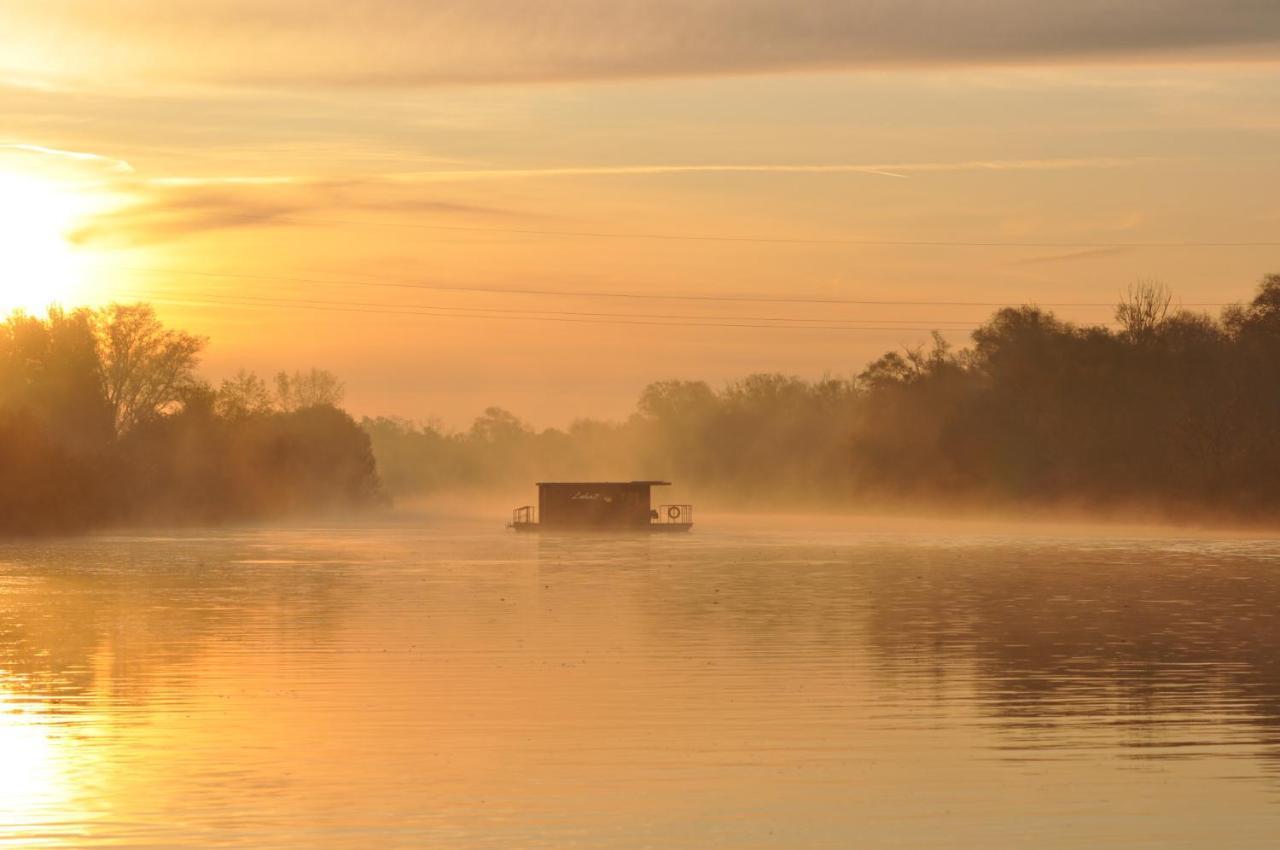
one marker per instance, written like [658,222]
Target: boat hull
[655,528]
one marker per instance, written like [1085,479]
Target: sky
[547,205]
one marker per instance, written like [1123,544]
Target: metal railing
[673,515]
[525,515]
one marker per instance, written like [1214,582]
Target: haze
[369,189]
[619,424]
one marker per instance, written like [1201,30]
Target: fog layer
[1172,415]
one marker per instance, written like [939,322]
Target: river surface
[754,684]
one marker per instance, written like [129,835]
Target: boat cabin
[608,505]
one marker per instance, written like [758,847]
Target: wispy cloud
[1072,256]
[162,217]
[164,211]
[229,180]
[173,206]
[118,165]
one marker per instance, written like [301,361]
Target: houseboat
[600,505]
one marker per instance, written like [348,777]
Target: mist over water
[759,683]
[1170,416]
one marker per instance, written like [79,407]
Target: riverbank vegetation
[104,421]
[1171,412]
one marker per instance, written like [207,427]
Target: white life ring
[673,512]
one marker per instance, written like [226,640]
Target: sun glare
[33,785]
[39,266]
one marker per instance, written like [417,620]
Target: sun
[39,265]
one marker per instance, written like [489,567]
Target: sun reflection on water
[35,789]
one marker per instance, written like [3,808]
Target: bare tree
[147,368]
[1144,308]
[316,388]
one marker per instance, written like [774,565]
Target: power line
[497,311]
[653,296]
[617,319]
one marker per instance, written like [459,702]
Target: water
[445,684]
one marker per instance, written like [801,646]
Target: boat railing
[673,515]
[524,515]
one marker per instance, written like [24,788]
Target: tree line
[105,421]
[1171,411]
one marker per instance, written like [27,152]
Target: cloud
[227,180]
[117,165]
[161,217]
[423,42]
[163,211]
[1073,256]
[164,208]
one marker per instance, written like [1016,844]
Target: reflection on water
[33,787]
[453,686]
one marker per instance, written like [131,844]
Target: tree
[50,368]
[894,369]
[676,402]
[147,368]
[56,427]
[243,396]
[1260,315]
[316,388]
[499,427]
[1144,309]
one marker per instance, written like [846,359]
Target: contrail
[901,170]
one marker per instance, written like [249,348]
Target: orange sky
[370,187]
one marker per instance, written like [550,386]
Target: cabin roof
[604,483]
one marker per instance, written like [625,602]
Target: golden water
[445,684]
